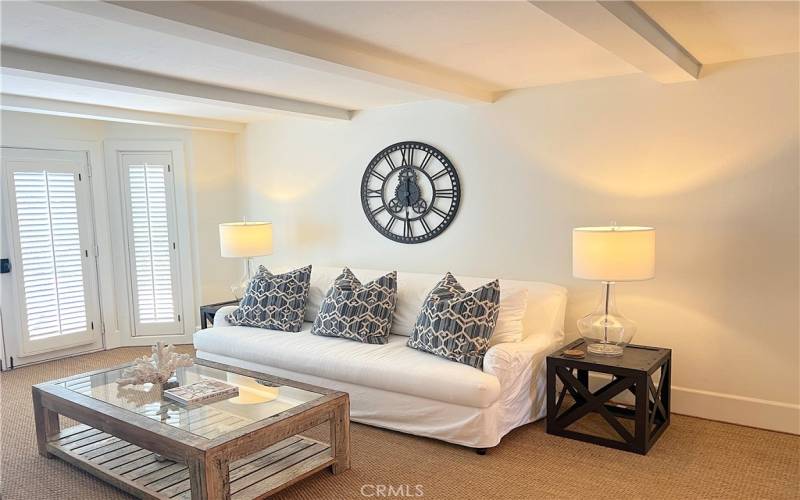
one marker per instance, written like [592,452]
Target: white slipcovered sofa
[396,387]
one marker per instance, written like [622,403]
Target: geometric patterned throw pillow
[358,312]
[274,301]
[456,324]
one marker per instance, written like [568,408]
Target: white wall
[211,170]
[712,164]
[215,188]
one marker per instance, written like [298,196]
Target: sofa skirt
[462,425]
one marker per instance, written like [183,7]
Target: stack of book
[203,391]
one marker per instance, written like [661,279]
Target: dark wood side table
[208,311]
[633,372]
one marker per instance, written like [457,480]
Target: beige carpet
[694,459]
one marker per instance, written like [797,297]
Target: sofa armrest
[508,361]
[219,316]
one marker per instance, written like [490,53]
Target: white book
[205,390]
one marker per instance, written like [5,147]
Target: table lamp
[245,240]
[611,254]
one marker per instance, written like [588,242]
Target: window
[152,243]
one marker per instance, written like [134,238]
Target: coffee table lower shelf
[140,473]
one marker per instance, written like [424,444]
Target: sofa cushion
[391,367]
[545,303]
[358,312]
[274,301]
[509,325]
[456,324]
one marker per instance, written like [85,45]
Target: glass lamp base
[606,331]
[605,349]
[240,289]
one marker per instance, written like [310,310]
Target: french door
[50,298]
[151,232]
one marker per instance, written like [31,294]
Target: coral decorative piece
[156,368]
[139,397]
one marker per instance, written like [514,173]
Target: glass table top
[258,399]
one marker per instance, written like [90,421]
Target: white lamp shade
[618,253]
[245,239]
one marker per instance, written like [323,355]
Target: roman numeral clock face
[410,192]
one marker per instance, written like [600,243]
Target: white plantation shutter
[52,267]
[52,233]
[152,248]
[151,243]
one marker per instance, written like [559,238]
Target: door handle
[5,266]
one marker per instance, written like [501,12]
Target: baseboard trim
[753,412]
[741,410]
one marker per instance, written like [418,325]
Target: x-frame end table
[632,372]
[208,311]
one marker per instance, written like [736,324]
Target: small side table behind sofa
[208,311]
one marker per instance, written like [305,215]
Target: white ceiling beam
[237,26]
[55,68]
[10,102]
[628,32]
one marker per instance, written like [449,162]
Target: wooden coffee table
[244,447]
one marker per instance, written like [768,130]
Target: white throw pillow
[321,280]
[513,302]
[412,290]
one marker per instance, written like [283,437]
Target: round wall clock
[410,192]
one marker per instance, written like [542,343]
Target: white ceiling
[728,31]
[490,46]
[52,30]
[508,45]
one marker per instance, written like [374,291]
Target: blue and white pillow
[274,301]
[358,312]
[456,324]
